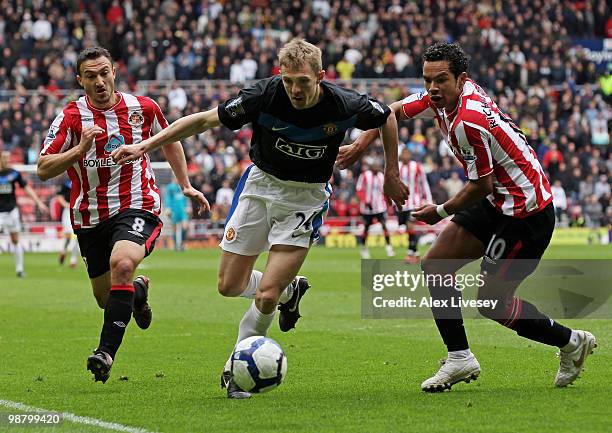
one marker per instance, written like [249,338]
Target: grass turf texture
[345,374]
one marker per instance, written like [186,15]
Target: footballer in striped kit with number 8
[114,209]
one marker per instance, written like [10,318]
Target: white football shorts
[267,211]
[10,221]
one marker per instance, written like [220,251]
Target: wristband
[441,211]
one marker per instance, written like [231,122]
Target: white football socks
[459,354]
[287,293]
[253,284]
[573,343]
[254,322]
[18,257]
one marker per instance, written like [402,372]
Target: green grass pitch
[345,374]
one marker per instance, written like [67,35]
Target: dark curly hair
[458,61]
[91,54]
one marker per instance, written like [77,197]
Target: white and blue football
[258,364]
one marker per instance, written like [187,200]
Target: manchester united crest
[330,129]
[230,234]
[135,118]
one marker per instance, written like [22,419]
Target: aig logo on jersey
[298,150]
[135,118]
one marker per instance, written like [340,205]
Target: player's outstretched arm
[472,192]
[394,189]
[52,165]
[176,158]
[184,127]
[351,153]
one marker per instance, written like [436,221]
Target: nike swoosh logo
[274,128]
[580,360]
[135,233]
[297,288]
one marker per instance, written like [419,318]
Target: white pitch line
[75,418]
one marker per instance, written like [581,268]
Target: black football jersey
[8,179]
[299,145]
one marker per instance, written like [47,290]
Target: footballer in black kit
[298,121]
[299,145]
[8,179]
[10,220]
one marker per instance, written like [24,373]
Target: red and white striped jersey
[485,140]
[414,177]
[101,188]
[371,193]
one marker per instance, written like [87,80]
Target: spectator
[600,135]
[593,212]
[177,98]
[249,66]
[41,29]
[559,201]
[165,70]
[237,72]
[453,184]
[345,69]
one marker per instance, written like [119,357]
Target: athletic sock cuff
[125,287]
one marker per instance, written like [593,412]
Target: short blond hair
[297,53]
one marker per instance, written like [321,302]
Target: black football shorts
[96,243]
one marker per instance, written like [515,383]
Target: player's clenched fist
[87,137]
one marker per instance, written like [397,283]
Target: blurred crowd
[521,52]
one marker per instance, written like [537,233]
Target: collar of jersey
[91,107]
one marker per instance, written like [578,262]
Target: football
[259,364]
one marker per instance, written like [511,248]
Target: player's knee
[267,297]
[228,286]
[122,268]
[101,300]
[431,266]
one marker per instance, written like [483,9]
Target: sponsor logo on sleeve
[377,106]
[467,153]
[234,108]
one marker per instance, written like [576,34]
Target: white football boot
[572,362]
[389,251]
[451,372]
